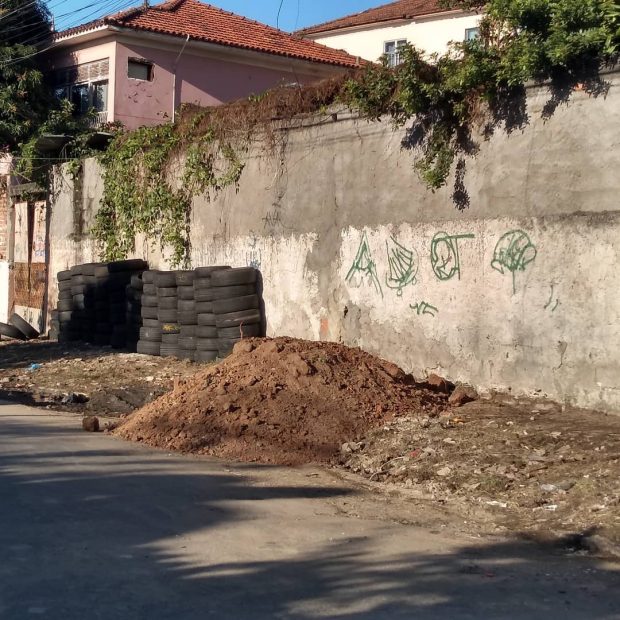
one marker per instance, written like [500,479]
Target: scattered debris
[74,398]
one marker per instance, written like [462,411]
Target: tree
[25,29]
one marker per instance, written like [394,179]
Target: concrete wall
[517,291]
[431,34]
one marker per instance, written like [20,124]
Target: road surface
[94,528]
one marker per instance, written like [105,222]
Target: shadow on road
[92,528]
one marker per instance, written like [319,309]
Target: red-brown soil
[281,401]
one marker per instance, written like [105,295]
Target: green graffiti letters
[445,258]
[513,252]
[424,308]
[404,265]
[365,267]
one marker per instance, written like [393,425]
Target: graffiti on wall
[364,269]
[554,301]
[403,266]
[513,252]
[422,308]
[254,257]
[445,258]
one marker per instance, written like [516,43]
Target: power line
[278,16]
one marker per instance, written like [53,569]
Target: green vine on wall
[143,196]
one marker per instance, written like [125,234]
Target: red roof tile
[403,9]
[203,22]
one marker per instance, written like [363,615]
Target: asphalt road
[94,528]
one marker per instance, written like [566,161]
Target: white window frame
[393,55]
[475,31]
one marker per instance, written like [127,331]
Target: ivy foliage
[565,41]
[446,96]
[141,196]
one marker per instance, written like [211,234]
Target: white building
[382,30]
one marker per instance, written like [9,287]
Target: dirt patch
[85,379]
[281,401]
[531,467]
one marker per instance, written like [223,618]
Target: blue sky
[295,13]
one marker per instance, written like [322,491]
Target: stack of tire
[236,307]
[110,292]
[207,343]
[62,326]
[186,313]
[133,318]
[167,312]
[84,318]
[150,337]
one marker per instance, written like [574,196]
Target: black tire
[186,305]
[205,357]
[207,344]
[184,354]
[63,276]
[133,294]
[148,312]
[247,331]
[170,339]
[169,350]
[132,264]
[151,334]
[149,301]
[148,348]
[236,304]
[66,294]
[167,303]
[168,316]
[78,289]
[188,331]
[201,284]
[136,282]
[205,272]
[170,328]
[24,327]
[165,279]
[203,296]
[10,331]
[228,292]
[234,277]
[206,331]
[206,319]
[146,322]
[204,307]
[65,317]
[185,278]
[65,285]
[148,276]
[170,291]
[188,318]
[149,289]
[65,304]
[187,343]
[243,317]
[227,345]
[89,269]
[185,292]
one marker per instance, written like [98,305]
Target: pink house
[138,66]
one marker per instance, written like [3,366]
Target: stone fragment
[439,384]
[444,471]
[90,424]
[463,394]
[244,346]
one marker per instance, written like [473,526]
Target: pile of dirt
[281,401]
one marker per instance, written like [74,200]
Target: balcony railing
[98,119]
